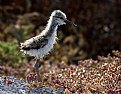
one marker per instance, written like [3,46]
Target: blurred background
[99,32]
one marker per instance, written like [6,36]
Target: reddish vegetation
[96,76]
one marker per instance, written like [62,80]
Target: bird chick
[42,44]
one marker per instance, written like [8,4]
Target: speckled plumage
[42,44]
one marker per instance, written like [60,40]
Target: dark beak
[69,22]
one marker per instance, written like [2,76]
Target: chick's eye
[60,17]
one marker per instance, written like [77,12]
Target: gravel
[11,85]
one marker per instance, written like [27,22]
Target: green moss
[10,52]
